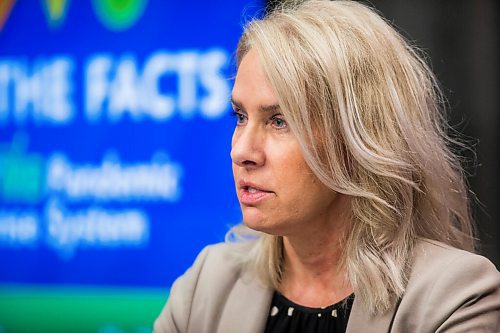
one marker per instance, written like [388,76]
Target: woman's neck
[314,275]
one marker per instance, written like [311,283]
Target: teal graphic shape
[21,174]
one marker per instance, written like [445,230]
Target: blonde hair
[367,112]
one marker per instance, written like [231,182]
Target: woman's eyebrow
[236,103]
[270,108]
[263,108]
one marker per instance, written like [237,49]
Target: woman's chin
[254,224]
[260,225]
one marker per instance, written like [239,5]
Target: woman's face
[277,191]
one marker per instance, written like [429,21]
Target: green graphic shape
[55,11]
[21,174]
[77,310]
[119,15]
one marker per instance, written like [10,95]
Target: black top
[286,316]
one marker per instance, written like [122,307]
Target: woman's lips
[252,196]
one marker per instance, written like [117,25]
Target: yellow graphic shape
[55,11]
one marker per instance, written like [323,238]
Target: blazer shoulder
[229,256]
[434,253]
[209,279]
[450,290]
[435,261]
[221,265]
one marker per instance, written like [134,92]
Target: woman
[343,168]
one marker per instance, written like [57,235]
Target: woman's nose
[247,148]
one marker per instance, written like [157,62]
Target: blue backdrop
[115,138]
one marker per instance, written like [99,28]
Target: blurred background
[115,138]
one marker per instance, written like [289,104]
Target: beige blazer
[449,290]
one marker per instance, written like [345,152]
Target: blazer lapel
[360,319]
[247,308]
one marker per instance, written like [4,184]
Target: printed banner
[114,139]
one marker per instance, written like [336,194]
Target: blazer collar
[360,319]
[248,305]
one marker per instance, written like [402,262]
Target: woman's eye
[240,117]
[279,123]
